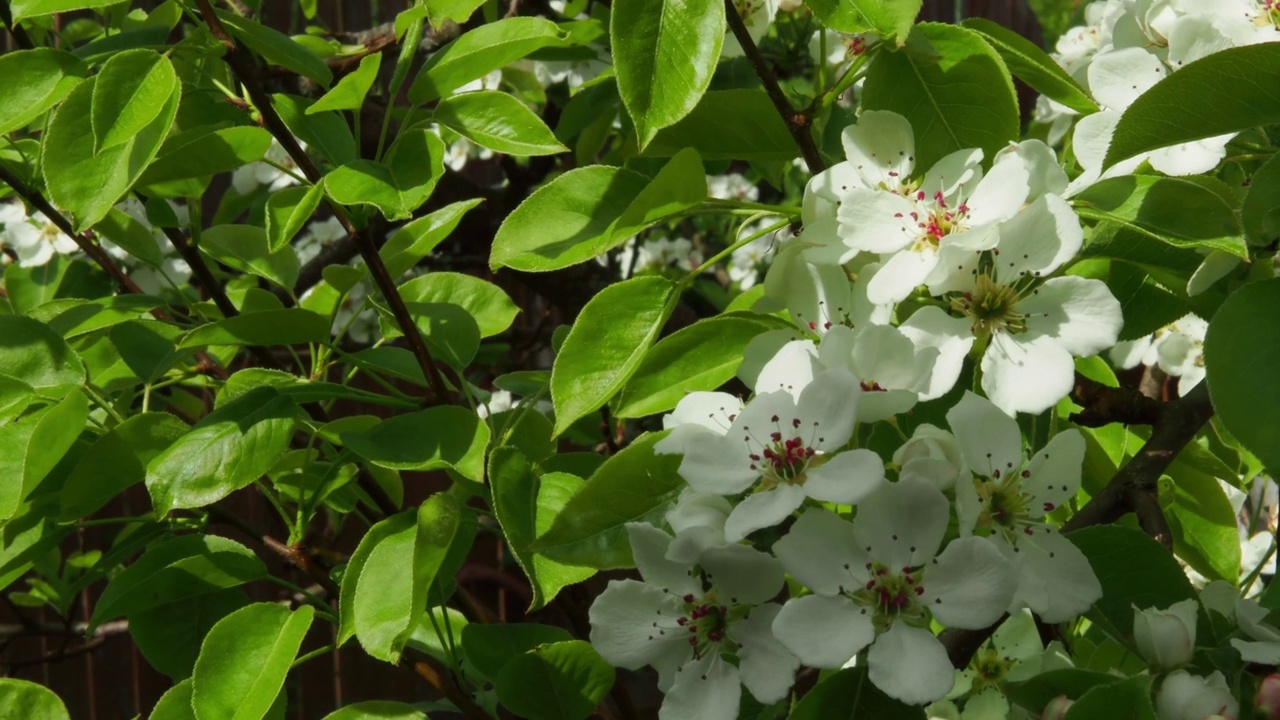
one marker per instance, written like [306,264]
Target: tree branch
[428,670]
[1104,405]
[293,554]
[797,122]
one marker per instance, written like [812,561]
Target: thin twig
[295,555]
[427,670]
[797,122]
[1103,405]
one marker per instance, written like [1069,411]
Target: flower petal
[1054,472]
[969,585]
[827,410]
[1026,373]
[932,327]
[824,632]
[820,552]
[768,668]
[718,465]
[901,274]
[707,688]
[909,664]
[846,478]
[742,575]
[902,524]
[989,439]
[881,148]
[1038,240]
[1080,314]
[649,549]
[762,510]
[877,221]
[622,630]
[1055,579]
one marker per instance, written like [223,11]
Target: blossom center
[893,595]
[937,223]
[992,307]
[705,621]
[1006,508]
[785,455]
[989,669]
[1268,13]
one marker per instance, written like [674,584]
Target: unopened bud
[1166,638]
[1267,701]
[1057,708]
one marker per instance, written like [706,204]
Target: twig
[115,627]
[242,64]
[427,670]
[797,122]
[295,555]
[1104,405]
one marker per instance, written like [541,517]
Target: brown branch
[428,670]
[295,555]
[243,65]
[797,122]
[1103,405]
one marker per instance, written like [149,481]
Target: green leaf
[288,210]
[117,460]
[33,353]
[497,121]
[891,19]
[131,89]
[480,51]
[560,681]
[244,660]
[289,326]
[397,186]
[526,503]
[23,9]
[1033,66]
[1223,93]
[417,239]
[1128,699]
[606,344]
[492,308]
[32,81]
[850,694]
[377,710]
[351,90]
[175,570]
[387,600]
[1260,212]
[665,52]
[228,449]
[1243,338]
[175,704]
[200,153]
[756,134]
[130,234]
[441,11]
[276,47]
[680,184]
[702,356]
[1203,523]
[451,333]
[951,86]
[1173,211]
[86,184]
[31,447]
[490,646]
[1036,693]
[169,636]
[245,248]
[590,530]
[566,221]
[394,530]
[325,132]
[441,437]
[1133,570]
[30,701]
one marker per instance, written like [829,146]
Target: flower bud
[1267,701]
[1183,696]
[1166,638]
[1057,708]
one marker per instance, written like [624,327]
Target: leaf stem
[408,47]
[730,250]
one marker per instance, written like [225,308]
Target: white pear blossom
[33,238]
[732,186]
[892,372]
[1014,654]
[656,254]
[1263,643]
[1177,349]
[248,178]
[746,262]
[1183,696]
[686,621]
[931,454]
[1166,638]
[880,580]
[757,15]
[1006,501]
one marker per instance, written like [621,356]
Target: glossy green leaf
[665,52]
[490,646]
[276,47]
[441,437]
[1174,211]
[1244,338]
[245,248]
[228,449]
[377,710]
[200,153]
[23,9]
[850,694]
[1133,570]
[631,486]
[606,344]
[351,90]
[175,704]
[29,701]
[1035,693]
[757,133]
[131,89]
[36,355]
[394,529]
[703,356]
[398,185]
[1222,93]
[680,184]
[289,326]
[452,334]
[325,132]
[131,235]
[1260,212]
[1202,523]
[497,121]
[32,446]
[566,221]
[559,681]
[492,308]
[288,210]
[244,660]
[441,11]
[417,239]
[169,635]
[481,50]
[117,460]
[86,184]
[953,89]
[891,19]
[175,570]
[1128,699]
[32,81]
[1033,66]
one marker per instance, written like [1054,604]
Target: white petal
[742,575]
[762,510]
[1026,375]
[768,668]
[1000,193]
[986,705]
[718,465]
[989,439]
[882,404]
[969,585]
[791,369]
[827,410]
[1192,158]
[622,625]
[902,523]
[824,632]
[910,664]
[954,175]
[1266,653]
[1117,78]
[846,478]
[1080,314]
[823,191]
[818,549]
[649,549]
[1055,579]
[704,689]
[901,274]
[932,327]
[1044,173]
[1216,265]
[713,411]
[1038,240]
[883,354]
[878,221]
[1054,472]
[880,148]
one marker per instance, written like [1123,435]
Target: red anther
[688,598]
[681,621]
[920,590]
[1028,531]
[1048,507]
[1026,473]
